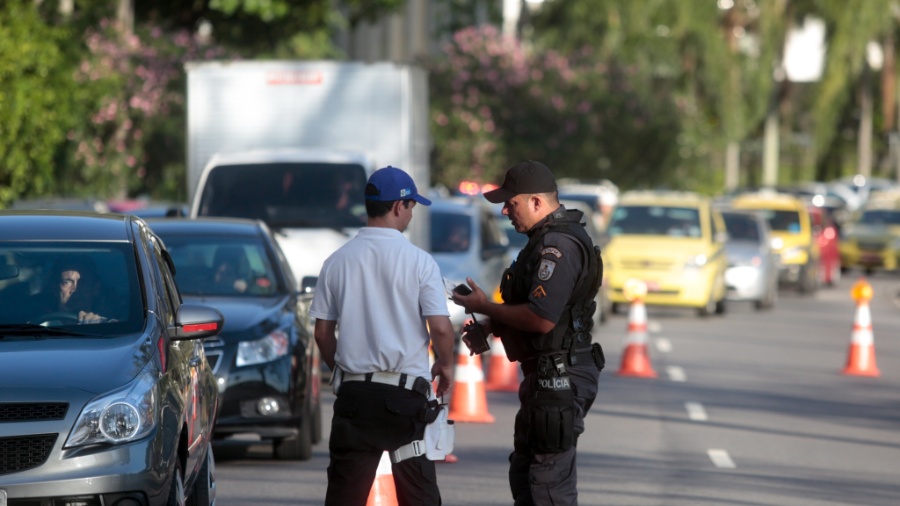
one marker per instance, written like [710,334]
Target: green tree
[35,91]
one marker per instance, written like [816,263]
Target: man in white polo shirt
[388,297]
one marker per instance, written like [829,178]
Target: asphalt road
[749,408]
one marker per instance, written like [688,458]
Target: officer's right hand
[472,301]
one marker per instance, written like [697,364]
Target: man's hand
[473,301]
[88,317]
[444,374]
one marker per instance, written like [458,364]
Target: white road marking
[721,459]
[663,345]
[676,373]
[695,411]
[654,326]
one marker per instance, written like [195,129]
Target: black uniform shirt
[556,275]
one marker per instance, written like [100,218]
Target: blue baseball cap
[394,184]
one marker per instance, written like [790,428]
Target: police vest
[574,325]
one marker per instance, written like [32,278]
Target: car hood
[94,365]
[307,249]
[623,246]
[244,315]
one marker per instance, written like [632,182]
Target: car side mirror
[196,321]
[492,251]
[8,271]
[308,284]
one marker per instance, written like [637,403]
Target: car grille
[24,452]
[32,412]
[647,264]
[870,246]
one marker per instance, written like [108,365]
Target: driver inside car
[63,300]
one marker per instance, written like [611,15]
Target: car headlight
[121,416]
[263,350]
[696,261]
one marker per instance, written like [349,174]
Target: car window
[656,220]
[450,232]
[222,266]
[106,284]
[783,220]
[880,217]
[300,195]
[741,227]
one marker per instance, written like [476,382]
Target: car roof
[63,226]
[768,200]
[655,197]
[206,226]
[461,205]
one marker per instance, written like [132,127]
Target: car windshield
[298,195]
[741,227]
[783,221]
[880,217]
[450,232]
[656,220]
[221,266]
[52,285]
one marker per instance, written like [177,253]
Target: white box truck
[293,143]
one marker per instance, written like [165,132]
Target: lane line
[695,411]
[676,373]
[654,327]
[663,345]
[720,459]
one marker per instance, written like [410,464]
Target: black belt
[417,384]
[594,355]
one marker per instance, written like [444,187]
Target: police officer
[382,291]
[544,323]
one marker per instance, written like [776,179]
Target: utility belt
[416,384]
[440,432]
[573,357]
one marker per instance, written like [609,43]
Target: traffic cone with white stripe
[468,401]
[861,355]
[383,492]
[635,360]
[503,375]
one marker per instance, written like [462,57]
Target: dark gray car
[106,397]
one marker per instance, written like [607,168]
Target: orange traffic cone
[635,361]
[861,355]
[468,402]
[503,375]
[384,492]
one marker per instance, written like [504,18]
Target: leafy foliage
[35,96]
[493,103]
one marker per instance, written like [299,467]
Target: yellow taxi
[871,240]
[792,236]
[672,241]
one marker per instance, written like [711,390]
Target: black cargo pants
[369,419]
[550,478]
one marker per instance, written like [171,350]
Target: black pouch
[552,421]
[597,353]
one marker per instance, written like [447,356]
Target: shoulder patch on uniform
[538,293]
[546,269]
[550,250]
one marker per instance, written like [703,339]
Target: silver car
[466,241]
[106,397]
[752,273]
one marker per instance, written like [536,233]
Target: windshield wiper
[33,329]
